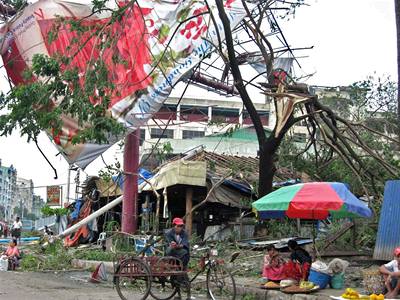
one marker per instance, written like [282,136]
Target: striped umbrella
[313,200]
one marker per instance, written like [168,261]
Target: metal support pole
[91,217]
[298,222]
[131,163]
[147,214]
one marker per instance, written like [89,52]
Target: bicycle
[164,277]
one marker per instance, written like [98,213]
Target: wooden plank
[189,205]
[354,234]
[345,253]
[337,234]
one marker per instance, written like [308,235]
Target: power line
[41,186]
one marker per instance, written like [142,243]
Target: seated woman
[391,273]
[13,255]
[298,268]
[273,265]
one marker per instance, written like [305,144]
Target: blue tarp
[245,188]
[119,179]
[286,183]
[77,208]
[24,239]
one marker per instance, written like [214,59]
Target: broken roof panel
[177,172]
[243,170]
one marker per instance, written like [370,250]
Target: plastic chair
[102,237]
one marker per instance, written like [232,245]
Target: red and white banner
[158,43]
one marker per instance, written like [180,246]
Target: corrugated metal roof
[388,236]
[244,167]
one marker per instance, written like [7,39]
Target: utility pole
[68,185]
[77,183]
[131,164]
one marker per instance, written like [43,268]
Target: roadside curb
[91,264]
[241,289]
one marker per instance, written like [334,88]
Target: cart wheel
[164,287]
[220,283]
[132,279]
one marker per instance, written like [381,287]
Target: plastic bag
[321,267]
[3,263]
[287,282]
[337,266]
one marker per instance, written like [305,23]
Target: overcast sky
[351,39]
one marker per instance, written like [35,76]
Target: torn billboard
[282,66]
[158,43]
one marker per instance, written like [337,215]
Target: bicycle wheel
[220,283]
[132,279]
[164,286]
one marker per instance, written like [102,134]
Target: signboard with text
[54,195]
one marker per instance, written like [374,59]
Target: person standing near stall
[17,229]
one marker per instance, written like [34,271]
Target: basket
[337,281]
[373,281]
[320,279]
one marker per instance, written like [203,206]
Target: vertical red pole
[131,163]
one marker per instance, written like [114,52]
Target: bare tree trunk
[397,12]
[268,146]
[268,156]
[267,168]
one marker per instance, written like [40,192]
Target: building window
[166,112]
[264,116]
[299,137]
[225,115]
[142,136]
[190,134]
[194,113]
[157,133]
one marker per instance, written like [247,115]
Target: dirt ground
[56,286]
[46,286]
